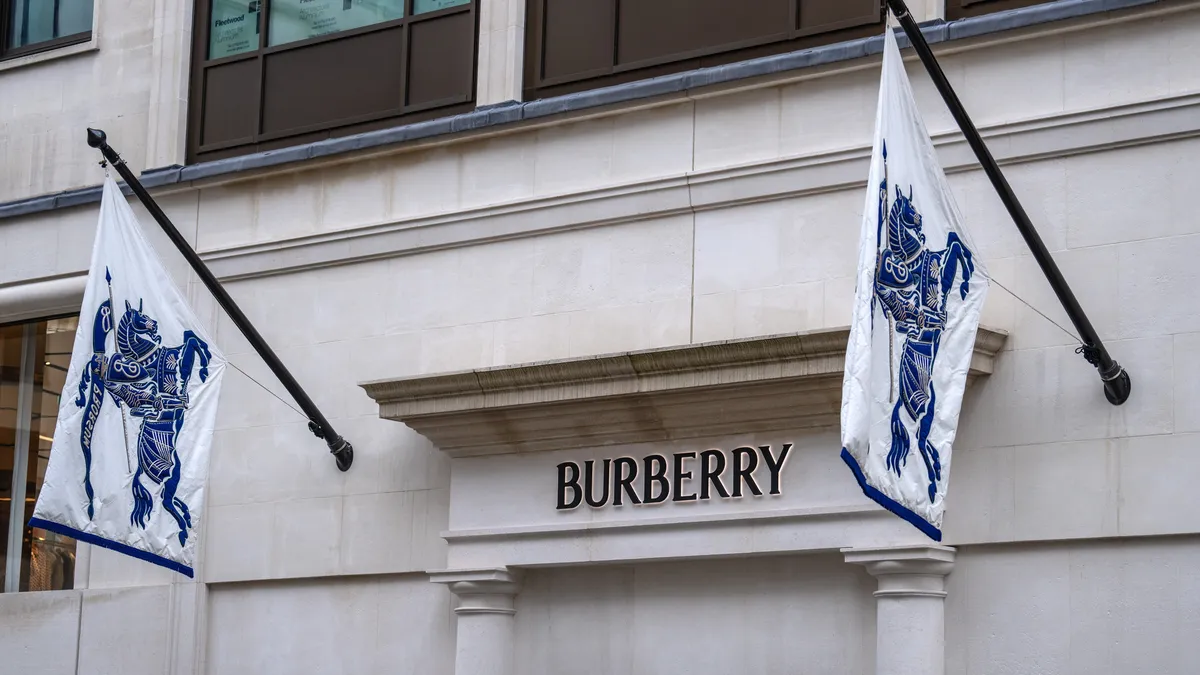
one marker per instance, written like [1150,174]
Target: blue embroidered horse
[913,284]
[151,381]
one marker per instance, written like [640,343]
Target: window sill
[52,54]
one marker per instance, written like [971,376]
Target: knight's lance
[124,422]
[883,226]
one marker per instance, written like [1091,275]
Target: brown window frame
[8,53]
[260,141]
[536,85]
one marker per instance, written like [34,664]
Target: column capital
[481,591]
[906,570]
[486,605]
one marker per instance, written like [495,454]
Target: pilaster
[910,606]
[501,51]
[170,72]
[922,11]
[486,616]
[927,10]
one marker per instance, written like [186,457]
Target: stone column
[927,10]
[170,74]
[486,611]
[501,51]
[910,607]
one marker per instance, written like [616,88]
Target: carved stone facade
[546,295]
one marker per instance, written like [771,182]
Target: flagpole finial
[96,138]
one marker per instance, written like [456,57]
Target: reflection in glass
[233,27]
[293,20]
[33,368]
[33,21]
[422,6]
[10,374]
[49,558]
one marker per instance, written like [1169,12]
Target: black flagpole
[1116,380]
[342,451]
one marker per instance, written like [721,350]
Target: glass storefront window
[10,380]
[33,366]
[293,20]
[233,27]
[34,21]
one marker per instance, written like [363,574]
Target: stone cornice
[60,295]
[782,382]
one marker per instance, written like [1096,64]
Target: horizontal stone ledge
[730,519]
[776,383]
[828,533]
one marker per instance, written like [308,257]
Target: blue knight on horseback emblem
[912,287]
[145,380]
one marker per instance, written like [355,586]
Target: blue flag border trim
[889,503]
[112,545]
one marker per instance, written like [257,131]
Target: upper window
[271,73]
[574,45]
[28,26]
[33,367]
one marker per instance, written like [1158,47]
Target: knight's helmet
[905,239]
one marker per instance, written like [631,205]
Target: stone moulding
[778,383]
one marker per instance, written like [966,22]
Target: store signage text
[681,477]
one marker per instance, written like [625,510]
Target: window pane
[293,20]
[48,562]
[74,16]
[233,27]
[422,6]
[34,21]
[10,373]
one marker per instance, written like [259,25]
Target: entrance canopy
[714,449]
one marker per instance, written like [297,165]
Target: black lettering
[745,471]
[589,478]
[653,476]
[711,475]
[680,476]
[625,470]
[775,466]
[564,483]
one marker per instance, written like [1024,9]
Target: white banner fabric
[129,462]
[918,296]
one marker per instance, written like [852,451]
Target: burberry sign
[680,477]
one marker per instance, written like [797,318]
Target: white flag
[129,461]
[917,301]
